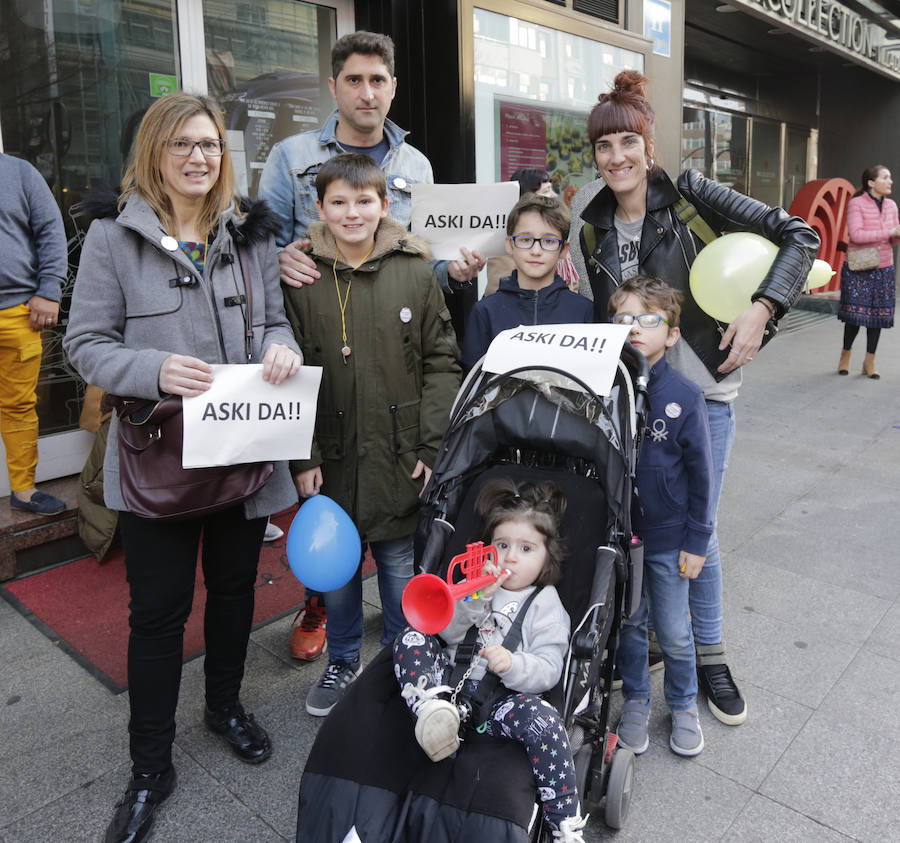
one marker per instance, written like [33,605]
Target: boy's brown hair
[654,294]
[358,170]
[552,212]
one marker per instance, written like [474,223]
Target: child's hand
[488,591]
[690,565]
[423,471]
[499,659]
[309,482]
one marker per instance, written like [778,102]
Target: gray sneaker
[634,726]
[332,684]
[687,736]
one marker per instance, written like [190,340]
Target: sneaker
[308,637]
[273,532]
[571,830]
[687,736]
[634,726]
[722,695]
[437,720]
[324,695]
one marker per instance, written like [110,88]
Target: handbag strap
[240,242]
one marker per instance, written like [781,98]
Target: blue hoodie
[674,470]
[512,306]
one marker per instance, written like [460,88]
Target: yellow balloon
[728,271]
[820,274]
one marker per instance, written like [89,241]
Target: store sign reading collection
[833,23]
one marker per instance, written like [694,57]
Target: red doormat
[83,606]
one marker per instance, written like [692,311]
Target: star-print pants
[525,718]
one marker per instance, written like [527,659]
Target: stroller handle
[637,360]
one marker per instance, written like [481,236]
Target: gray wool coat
[126,317]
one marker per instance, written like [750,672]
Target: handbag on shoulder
[859,260]
[153,483]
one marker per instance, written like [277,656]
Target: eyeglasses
[184,147]
[526,241]
[645,320]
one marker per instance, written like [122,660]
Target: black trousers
[161,562]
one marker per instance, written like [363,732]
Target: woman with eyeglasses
[161,296]
[534,294]
[637,224]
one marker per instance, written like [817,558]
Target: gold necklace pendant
[345,351]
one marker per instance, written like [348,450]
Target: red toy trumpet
[428,600]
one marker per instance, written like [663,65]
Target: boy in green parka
[377,323]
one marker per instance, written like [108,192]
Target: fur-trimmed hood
[389,237]
[256,223]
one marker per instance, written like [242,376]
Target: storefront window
[75,76]
[715,142]
[765,180]
[268,65]
[534,87]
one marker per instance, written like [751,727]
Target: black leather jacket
[668,248]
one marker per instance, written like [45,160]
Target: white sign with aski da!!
[241,418]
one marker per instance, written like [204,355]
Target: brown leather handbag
[153,483]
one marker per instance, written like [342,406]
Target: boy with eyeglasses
[537,231]
[674,484]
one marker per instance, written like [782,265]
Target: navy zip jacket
[674,471]
[512,306]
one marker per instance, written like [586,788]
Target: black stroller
[366,775]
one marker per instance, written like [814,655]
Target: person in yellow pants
[33,245]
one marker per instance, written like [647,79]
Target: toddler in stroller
[520,630]
[366,775]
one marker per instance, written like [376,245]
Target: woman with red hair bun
[637,224]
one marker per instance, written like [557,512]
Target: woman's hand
[184,375]
[309,482]
[745,336]
[690,565]
[279,363]
[895,231]
[499,659]
[297,267]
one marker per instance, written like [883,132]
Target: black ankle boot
[135,810]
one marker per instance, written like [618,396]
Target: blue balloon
[323,546]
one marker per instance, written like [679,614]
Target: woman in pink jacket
[868,295]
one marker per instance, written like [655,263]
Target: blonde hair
[143,175]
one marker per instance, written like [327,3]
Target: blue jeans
[665,598]
[344,630]
[706,590]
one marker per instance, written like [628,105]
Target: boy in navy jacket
[674,482]
[537,231]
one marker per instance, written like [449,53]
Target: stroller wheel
[584,777]
[618,788]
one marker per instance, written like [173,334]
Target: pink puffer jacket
[868,226]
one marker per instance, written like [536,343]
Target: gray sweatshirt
[32,237]
[538,661]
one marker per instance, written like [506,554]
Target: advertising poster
[544,137]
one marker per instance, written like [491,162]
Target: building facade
[763,95]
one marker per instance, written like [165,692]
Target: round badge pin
[405,314]
[400,183]
[169,243]
[673,410]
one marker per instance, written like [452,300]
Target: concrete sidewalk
[807,528]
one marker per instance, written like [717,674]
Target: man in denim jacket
[363,85]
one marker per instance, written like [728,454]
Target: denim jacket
[288,182]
